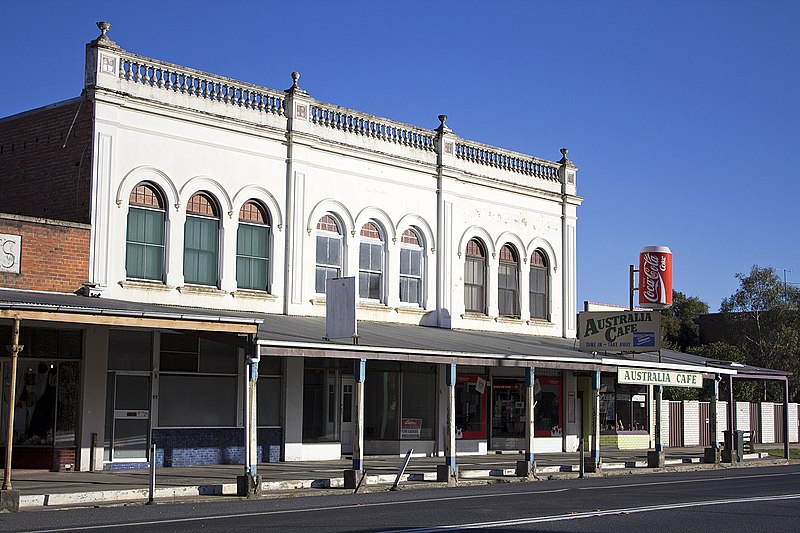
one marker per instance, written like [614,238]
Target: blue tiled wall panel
[205,446]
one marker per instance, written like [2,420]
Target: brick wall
[45,169]
[54,255]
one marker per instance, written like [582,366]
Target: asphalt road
[736,500]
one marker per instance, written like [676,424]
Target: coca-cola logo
[653,265]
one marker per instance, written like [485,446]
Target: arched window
[370,263]
[252,248]
[144,254]
[411,267]
[201,241]
[508,282]
[539,297]
[475,278]
[329,252]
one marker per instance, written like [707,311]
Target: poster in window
[411,428]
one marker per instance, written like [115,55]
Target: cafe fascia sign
[665,378]
[619,331]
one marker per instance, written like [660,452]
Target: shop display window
[508,407]
[623,408]
[48,386]
[471,394]
[382,398]
[270,371]
[197,381]
[418,414]
[548,412]
[321,420]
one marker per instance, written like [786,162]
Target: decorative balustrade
[168,77]
[511,161]
[369,126]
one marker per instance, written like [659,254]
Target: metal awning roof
[304,336]
[71,308]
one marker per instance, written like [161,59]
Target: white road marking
[450,498]
[680,481]
[592,514]
[288,511]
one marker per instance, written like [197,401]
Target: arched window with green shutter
[201,241]
[145,236]
[253,247]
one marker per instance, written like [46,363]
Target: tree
[762,318]
[680,331]
[679,328]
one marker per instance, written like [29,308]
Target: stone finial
[103,39]
[442,126]
[564,158]
[295,88]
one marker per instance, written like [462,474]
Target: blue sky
[683,117]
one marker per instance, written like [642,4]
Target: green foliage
[679,329]
[762,320]
[761,290]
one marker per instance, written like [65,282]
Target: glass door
[129,416]
[347,398]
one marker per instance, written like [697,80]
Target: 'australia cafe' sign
[619,331]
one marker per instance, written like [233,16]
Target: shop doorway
[508,414]
[128,417]
[347,397]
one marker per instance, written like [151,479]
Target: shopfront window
[48,386]
[270,371]
[548,412]
[321,414]
[622,407]
[197,381]
[471,394]
[382,409]
[508,408]
[419,403]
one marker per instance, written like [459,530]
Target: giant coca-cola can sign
[655,277]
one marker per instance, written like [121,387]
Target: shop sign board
[10,246]
[340,308]
[410,429]
[656,376]
[619,331]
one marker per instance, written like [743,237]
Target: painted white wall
[722,420]
[93,397]
[742,416]
[767,419]
[186,143]
[691,423]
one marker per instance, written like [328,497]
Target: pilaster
[569,202]
[298,112]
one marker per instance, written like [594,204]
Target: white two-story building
[218,211]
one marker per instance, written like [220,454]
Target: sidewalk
[42,488]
